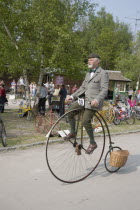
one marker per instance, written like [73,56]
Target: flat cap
[93,55]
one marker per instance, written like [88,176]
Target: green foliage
[43,28]
[129,65]
[64,32]
[102,35]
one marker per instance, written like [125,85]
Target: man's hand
[94,103]
[68,98]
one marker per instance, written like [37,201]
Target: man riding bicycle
[92,92]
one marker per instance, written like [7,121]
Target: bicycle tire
[108,167]
[51,118]
[116,121]
[14,101]
[138,116]
[3,134]
[67,160]
[130,120]
[107,112]
[40,123]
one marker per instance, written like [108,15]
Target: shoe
[69,136]
[91,148]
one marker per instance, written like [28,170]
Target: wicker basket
[118,158]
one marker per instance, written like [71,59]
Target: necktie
[92,70]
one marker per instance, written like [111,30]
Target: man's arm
[78,92]
[104,86]
[81,90]
[104,89]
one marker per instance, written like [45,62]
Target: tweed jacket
[94,88]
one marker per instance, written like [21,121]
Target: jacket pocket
[96,80]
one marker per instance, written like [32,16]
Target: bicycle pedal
[89,153]
[78,150]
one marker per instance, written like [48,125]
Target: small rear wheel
[108,167]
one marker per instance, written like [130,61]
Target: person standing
[74,89]
[50,93]
[117,94]
[63,94]
[13,86]
[42,100]
[1,82]
[93,90]
[56,90]
[31,89]
[22,86]
[2,98]
[34,89]
[138,96]
[130,93]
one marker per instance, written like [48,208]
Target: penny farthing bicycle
[67,160]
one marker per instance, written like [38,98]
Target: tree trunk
[27,92]
[40,80]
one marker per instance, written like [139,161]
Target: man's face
[93,63]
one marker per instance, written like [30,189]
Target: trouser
[62,106]
[87,117]
[130,96]
[42,104]
[2,101]
[50,99]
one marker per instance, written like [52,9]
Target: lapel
[95,74]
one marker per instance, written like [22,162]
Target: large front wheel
[67,160]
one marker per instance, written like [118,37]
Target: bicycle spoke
[67,163]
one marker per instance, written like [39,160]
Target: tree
[101,34]
[129,65]
[46,28]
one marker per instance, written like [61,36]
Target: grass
[21,131]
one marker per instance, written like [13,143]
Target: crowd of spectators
[53,92]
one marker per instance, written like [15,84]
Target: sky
[126,11]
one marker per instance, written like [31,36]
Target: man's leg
[87,117]
[43,104]
[39,105]
[71,120]
[61,107]
[1,105]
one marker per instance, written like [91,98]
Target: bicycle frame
[79,145]
[100,120]
[121,114]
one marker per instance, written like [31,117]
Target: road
[27,184]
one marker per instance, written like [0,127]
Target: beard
[90,66]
